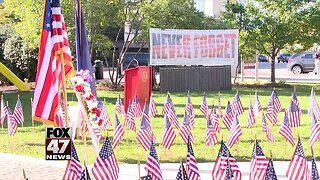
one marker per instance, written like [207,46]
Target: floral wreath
[81,84]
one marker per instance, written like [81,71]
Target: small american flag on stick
[259,163]
[185,130]
[18,112]
[236,105]
[211,136]
[314,130]
[257,106]
[220,165]
[266,128]
[74,168]
[215,120]
[168,134]
[285,130]
[12,124]
[130,121]
[152,107]
[235,132]
[251,116]
[294,115]
[145,134]
[106,165]
[152,164]
[119,106]
[192,167]
[228,116]
[118,132]
[298,166]
[313,106]
[204,108]
[4,110]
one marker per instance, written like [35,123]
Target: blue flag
[82,48]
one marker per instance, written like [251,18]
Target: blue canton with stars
[285,119]
[167,123]
[85,175]
[314,170]
[271,174]
[257,150]
[299,150]
[116,120]
[223,150]
[153,152]
[106,149]
[179,175]
[47,25]
[74,153]
[190,150]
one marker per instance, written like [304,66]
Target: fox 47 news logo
[58,143]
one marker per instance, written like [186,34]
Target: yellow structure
[22,86]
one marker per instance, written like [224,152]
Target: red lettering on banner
[211,46]
[164,54]
[196,45]
[219,43]
[179,51]
[172,51]
[231,50]
[204,46]
[186,46]
[156,53]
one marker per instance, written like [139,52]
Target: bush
[20,59]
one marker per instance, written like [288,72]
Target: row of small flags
[13,118]
[230,119]
[225,166]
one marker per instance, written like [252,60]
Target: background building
[211,7]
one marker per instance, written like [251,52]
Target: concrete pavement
[11,168]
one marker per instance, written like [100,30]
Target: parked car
[283,58]
[262,58]
[301,63]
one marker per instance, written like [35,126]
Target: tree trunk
[273,72]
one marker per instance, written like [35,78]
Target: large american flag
[105,118]
[266,128]
[74,168]
[298,166]
[295,100]
[4,110]
[145,134]
[313,106]
[130,121]
[192,167]
[294,115]
[314,130]
[228,116]
[185,130]
[168,134]
[214,119]
[271,174]
[259,163]
[106,165]
[136,108]
[257,106]
[251,116]
[152,107]
[152,164]
[12,124]
[168,108]
[204,108]
[220,165]
[182,174]
[54,48]
[118,132]
[118,107]
[235,132]
[211,136]
[271,113]
[236,105]
[285,130]
[18,112]
[314,170]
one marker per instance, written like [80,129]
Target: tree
[272,25]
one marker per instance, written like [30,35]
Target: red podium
[138,81]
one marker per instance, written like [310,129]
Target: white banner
[193,47]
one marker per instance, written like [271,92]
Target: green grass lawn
[29,141]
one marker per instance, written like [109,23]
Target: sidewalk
[11,168]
